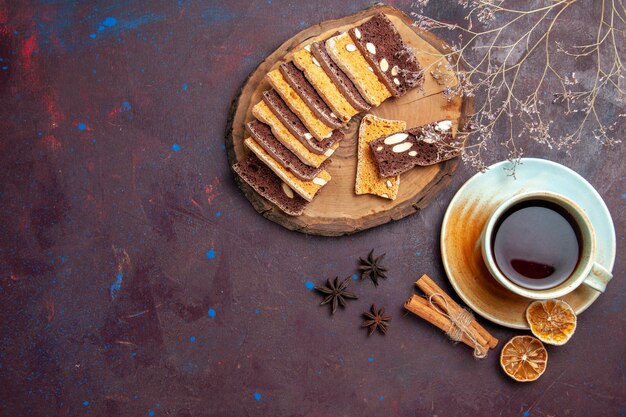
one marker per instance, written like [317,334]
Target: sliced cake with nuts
[420,146]
[306,189]
[263,113]
[263,180]
[262,134]
[314,125]
[295,126]
[392,60]
[315,74]
[367,179]
[338,77]
[347,56]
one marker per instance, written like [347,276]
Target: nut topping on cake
[394,139]
[357,33]
[444,125]
[350,47]
[319,181]
[288,191]
[371,48]
[384,65]
[403,147]
[395,70]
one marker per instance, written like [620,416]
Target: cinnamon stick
[422,308]
[426,284]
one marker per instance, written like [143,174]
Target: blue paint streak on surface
[184,86]
[117,286]
[176,147]
[624,196]
[100,28]
[257,311]
[110,22]
[93,36]
[192,339]
[211,313]
[85,403]
[210,254]
[526,413]
[218,214]
[418,253]
[126,106]
[309,284]
[382,397]
[150,413]
[370,359]
[257,396]
[355,276]
[82,126]
[6,67]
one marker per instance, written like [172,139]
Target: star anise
[371,267]
[376,319]
[335,293]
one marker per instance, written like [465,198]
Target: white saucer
[468,212]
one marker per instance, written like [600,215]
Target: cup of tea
[542,245]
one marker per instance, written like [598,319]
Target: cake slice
[295,126]
[385,51]
[424,145]
[262,134]
[306,189]
[367,179]
[265,115]
[307,93]
[339,78]
[262,180]
[313,71]
[348,57]
[313,124]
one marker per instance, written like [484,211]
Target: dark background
[136,279]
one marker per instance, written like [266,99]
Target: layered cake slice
[262,134]
[338,77]
[306,189]
[383,48]
[367,179]
[420,146]
[290,121]
[313,124]
[261,178]
[307,93]
[313,71]
[347,56]
[265,115]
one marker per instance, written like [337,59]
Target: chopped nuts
[371,48]
[350,47]
[403,147]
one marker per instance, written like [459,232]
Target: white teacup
[586,271]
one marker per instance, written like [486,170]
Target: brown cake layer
[383,48]
[424,145]
[262,134]
[339,78]
[307,93]
[267,184]
[295,125]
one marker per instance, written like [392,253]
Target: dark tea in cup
[536,244]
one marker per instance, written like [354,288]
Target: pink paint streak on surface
[211,190]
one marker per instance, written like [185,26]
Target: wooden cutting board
[337,210]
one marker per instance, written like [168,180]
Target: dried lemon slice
[552,321]
[524,358]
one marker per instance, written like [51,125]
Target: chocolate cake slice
[307,93]
[306,189]
[258,176]
[291,121]
[262,135]
[420,146]
[383,48]
[339,78]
